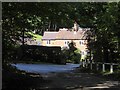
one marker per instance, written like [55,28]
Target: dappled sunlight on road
[79,81]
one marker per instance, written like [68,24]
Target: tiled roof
[64,34]
[49,35]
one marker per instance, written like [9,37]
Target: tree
[21,17]
[104,45]
[71,54]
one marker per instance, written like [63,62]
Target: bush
[39,53]
[71,55]
[76,56]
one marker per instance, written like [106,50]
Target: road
[78,81]
[46,68]
[58,78]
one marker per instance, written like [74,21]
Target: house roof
[64,34]
[49,35]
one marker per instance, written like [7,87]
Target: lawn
[35,36]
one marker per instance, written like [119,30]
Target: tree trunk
[111,55]
[49,26]
[23,37]
[55,27]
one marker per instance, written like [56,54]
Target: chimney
[76,26]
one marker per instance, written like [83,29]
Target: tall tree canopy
[102,18]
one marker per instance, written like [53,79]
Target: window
[81,42]
[48,42]
[67,42]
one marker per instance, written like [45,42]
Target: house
[65,36]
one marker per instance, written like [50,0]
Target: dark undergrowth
[107,75]
[13,79]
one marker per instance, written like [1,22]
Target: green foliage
[102,18]
[77,56]
[35,53]
[71,54]
[35,36]
[105,42]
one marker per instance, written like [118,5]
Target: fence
[100,66]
